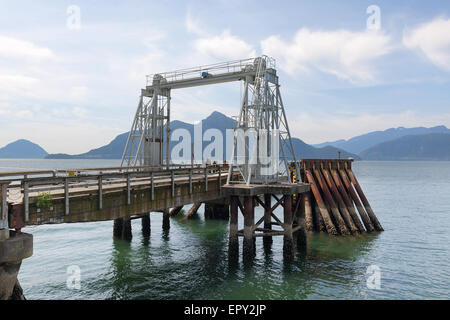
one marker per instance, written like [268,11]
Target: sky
[71,71]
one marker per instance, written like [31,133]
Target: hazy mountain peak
[23,149]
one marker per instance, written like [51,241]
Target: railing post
[153,186]
[190,181]
[4,226]
[220,178]
[173,183]
[100,192]
[128,189]
[206,178]
[66,195]
[26,200]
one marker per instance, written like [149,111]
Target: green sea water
[190,261]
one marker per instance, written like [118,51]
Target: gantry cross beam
[261,113]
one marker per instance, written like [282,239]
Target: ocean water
[411,200]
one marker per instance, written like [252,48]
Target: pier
[314,195]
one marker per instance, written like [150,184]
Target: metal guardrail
[201,71]
[25,186]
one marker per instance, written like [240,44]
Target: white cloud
[79,112]
[224,46]
[193,25]
[319,128]
[346,54]
[432,39]
[78,93]
[20,49]
[24,114]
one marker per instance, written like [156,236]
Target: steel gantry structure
[261,113]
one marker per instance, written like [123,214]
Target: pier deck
[98,194]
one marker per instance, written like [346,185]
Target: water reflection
[121,268]
[200,263]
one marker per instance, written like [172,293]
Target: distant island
[22,149]
[393,144]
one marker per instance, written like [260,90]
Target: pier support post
[267,241]
[122,229]
[145,223]
[166,220]
[301,221]
[233,248]
[117,228]
[288,248]
[217,211]
[249,221]
[12,251]
[127,234]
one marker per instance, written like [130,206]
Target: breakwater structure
[315,195]
[335,193]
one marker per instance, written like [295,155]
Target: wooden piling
[329,225]
[288,248]
[354,196]
[340,202]
[233,247]
[174,211]
[166,220]
[216,211]
[372,216]
[249,221]
[267,217]
[306,204]
[300,220]
[193,210]
[117,228]
[126,230]
[333,207]
[145,224]
[122,229]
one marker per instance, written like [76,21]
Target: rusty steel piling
[340,202]
[333,207]
[348,202]
[329,225]
[335,192]
[364,200]
[362,213]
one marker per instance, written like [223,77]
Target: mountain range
[392,144]
[363,142]
[432,146]
[215,120]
